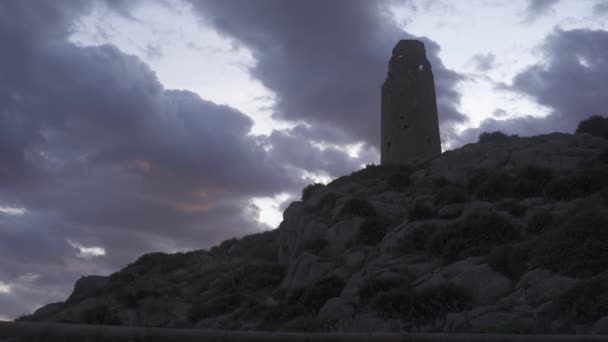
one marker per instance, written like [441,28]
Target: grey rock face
[410,126]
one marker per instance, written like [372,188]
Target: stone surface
[541,285]
[305,270]
[337,309]
[410,126]
[600,327]
[451,211]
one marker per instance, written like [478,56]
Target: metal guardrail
[84,331]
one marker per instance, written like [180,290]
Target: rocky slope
[506,235]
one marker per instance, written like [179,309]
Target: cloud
[484,62]
[538,8]
[571,81]
[325,60]
[600,7]
[94,149]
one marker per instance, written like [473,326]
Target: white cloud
[87,252]
[5,288]
[13,211]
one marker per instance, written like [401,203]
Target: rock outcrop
[501,237]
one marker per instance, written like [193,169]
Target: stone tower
[410,127]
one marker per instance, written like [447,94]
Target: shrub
[372,231]
[513,207]
[585,303]
[579,246]
[498,185]
[357,207]
[314,297]
[100,314]
[373,286]
[310,189]
[422,210]
[210,307]
[577,184]
[445,192]
[508,328]
[508,260]
[417,240]
[251,277]
[263,246]
[594,125]
[315,246]
[539,221]
[475,234]
[398,181]
[531,181]
[494,137]
[307,324]
[327,202]
[421,306]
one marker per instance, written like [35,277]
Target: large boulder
[305,270]
[87,286]
[541,285]
[298,229]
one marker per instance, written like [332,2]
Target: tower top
[410,48]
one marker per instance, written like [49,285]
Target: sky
[129,127]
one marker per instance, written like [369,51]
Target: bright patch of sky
[185,53]
[87,252]
[12,211]
[269,209]
[5,288]
[464,29]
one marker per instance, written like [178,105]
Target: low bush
[215,306]
[508,328]
[595,125]
[513,207]
[373,286]
[418,239]
[315,246]
[576,184]
[372,231]
[421,306]
[577,247]
[310,189]
[100,314]
[422,210]
[308,324]
[251,277]
[585,303]
[539,221]
[445,192]
[497,185]
[358,207]
[326,203]
[509,260]
[531,181]
[495,137]
[475,234]
[314,297]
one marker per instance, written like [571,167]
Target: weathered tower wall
[410,126]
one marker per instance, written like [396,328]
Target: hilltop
[509,234]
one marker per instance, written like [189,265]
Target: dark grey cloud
[571,82]
[600,7]
[484,62]
[100,154]
[538,8]
[325,60]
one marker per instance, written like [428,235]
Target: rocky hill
[506,235]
